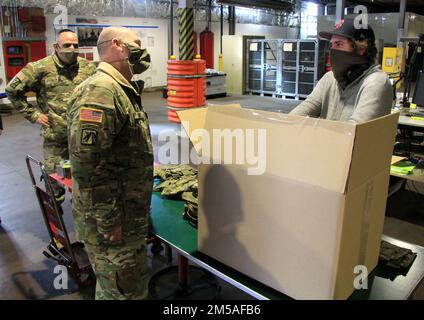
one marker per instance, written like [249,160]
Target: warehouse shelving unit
[283,67]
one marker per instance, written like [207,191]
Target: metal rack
[283,67]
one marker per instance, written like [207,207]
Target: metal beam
[402,14]
[232,20]
[222,27]
[264,4]
[321,10]
[185,3]
[402,11]
[171,29]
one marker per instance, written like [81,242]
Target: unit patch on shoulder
[91,115]
[14,83]
[88,137]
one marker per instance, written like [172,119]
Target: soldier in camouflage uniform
[112,167]
[52,79]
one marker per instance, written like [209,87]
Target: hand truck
[71,255]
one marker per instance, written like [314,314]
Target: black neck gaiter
[347,66]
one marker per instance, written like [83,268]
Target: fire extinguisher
[207,47]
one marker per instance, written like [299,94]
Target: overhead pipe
[232,20]
[220,68]
[402,14]
[11,22]
[6,13]
[222,27]
[146,9]
[171,28]
[17,22]
[1,21]
[209,14]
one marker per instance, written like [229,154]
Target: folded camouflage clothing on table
[179,182]
[396,257]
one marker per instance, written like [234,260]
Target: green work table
[384,283]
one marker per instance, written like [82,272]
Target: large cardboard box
[313,215]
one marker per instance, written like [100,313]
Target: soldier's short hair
[64,30]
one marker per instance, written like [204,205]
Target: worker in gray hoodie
[356,89]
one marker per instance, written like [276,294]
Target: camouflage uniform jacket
[53,84]
[111,157]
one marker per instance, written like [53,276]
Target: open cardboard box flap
[318,207]
[373,151]
[337,156]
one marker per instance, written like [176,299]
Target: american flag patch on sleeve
[91,115]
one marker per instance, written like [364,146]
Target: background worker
[52,79]
[356,89]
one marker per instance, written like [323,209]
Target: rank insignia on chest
[91,115]
[88,137]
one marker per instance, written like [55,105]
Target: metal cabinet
[283,67]
[263,66]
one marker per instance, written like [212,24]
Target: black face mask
[343,62]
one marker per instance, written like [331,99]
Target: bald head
[112,36]
[113,47]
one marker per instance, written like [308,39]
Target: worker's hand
[43,120]
[115,235]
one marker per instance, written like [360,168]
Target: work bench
[168,225]
[384,282]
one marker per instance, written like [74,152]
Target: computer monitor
[419,91]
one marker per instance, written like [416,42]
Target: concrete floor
[26,274]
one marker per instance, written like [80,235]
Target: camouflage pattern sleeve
[26,80]
[93,123]
[91,68]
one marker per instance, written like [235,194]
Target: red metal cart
[71,255]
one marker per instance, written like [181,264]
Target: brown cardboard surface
[195,118]
[192,120]
[362,226]
[372,153]
[308,150]
[277,231]
[315,213]
[233,105]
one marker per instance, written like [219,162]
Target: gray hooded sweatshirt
[368,97]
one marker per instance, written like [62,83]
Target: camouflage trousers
[121,271]
[53,153]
